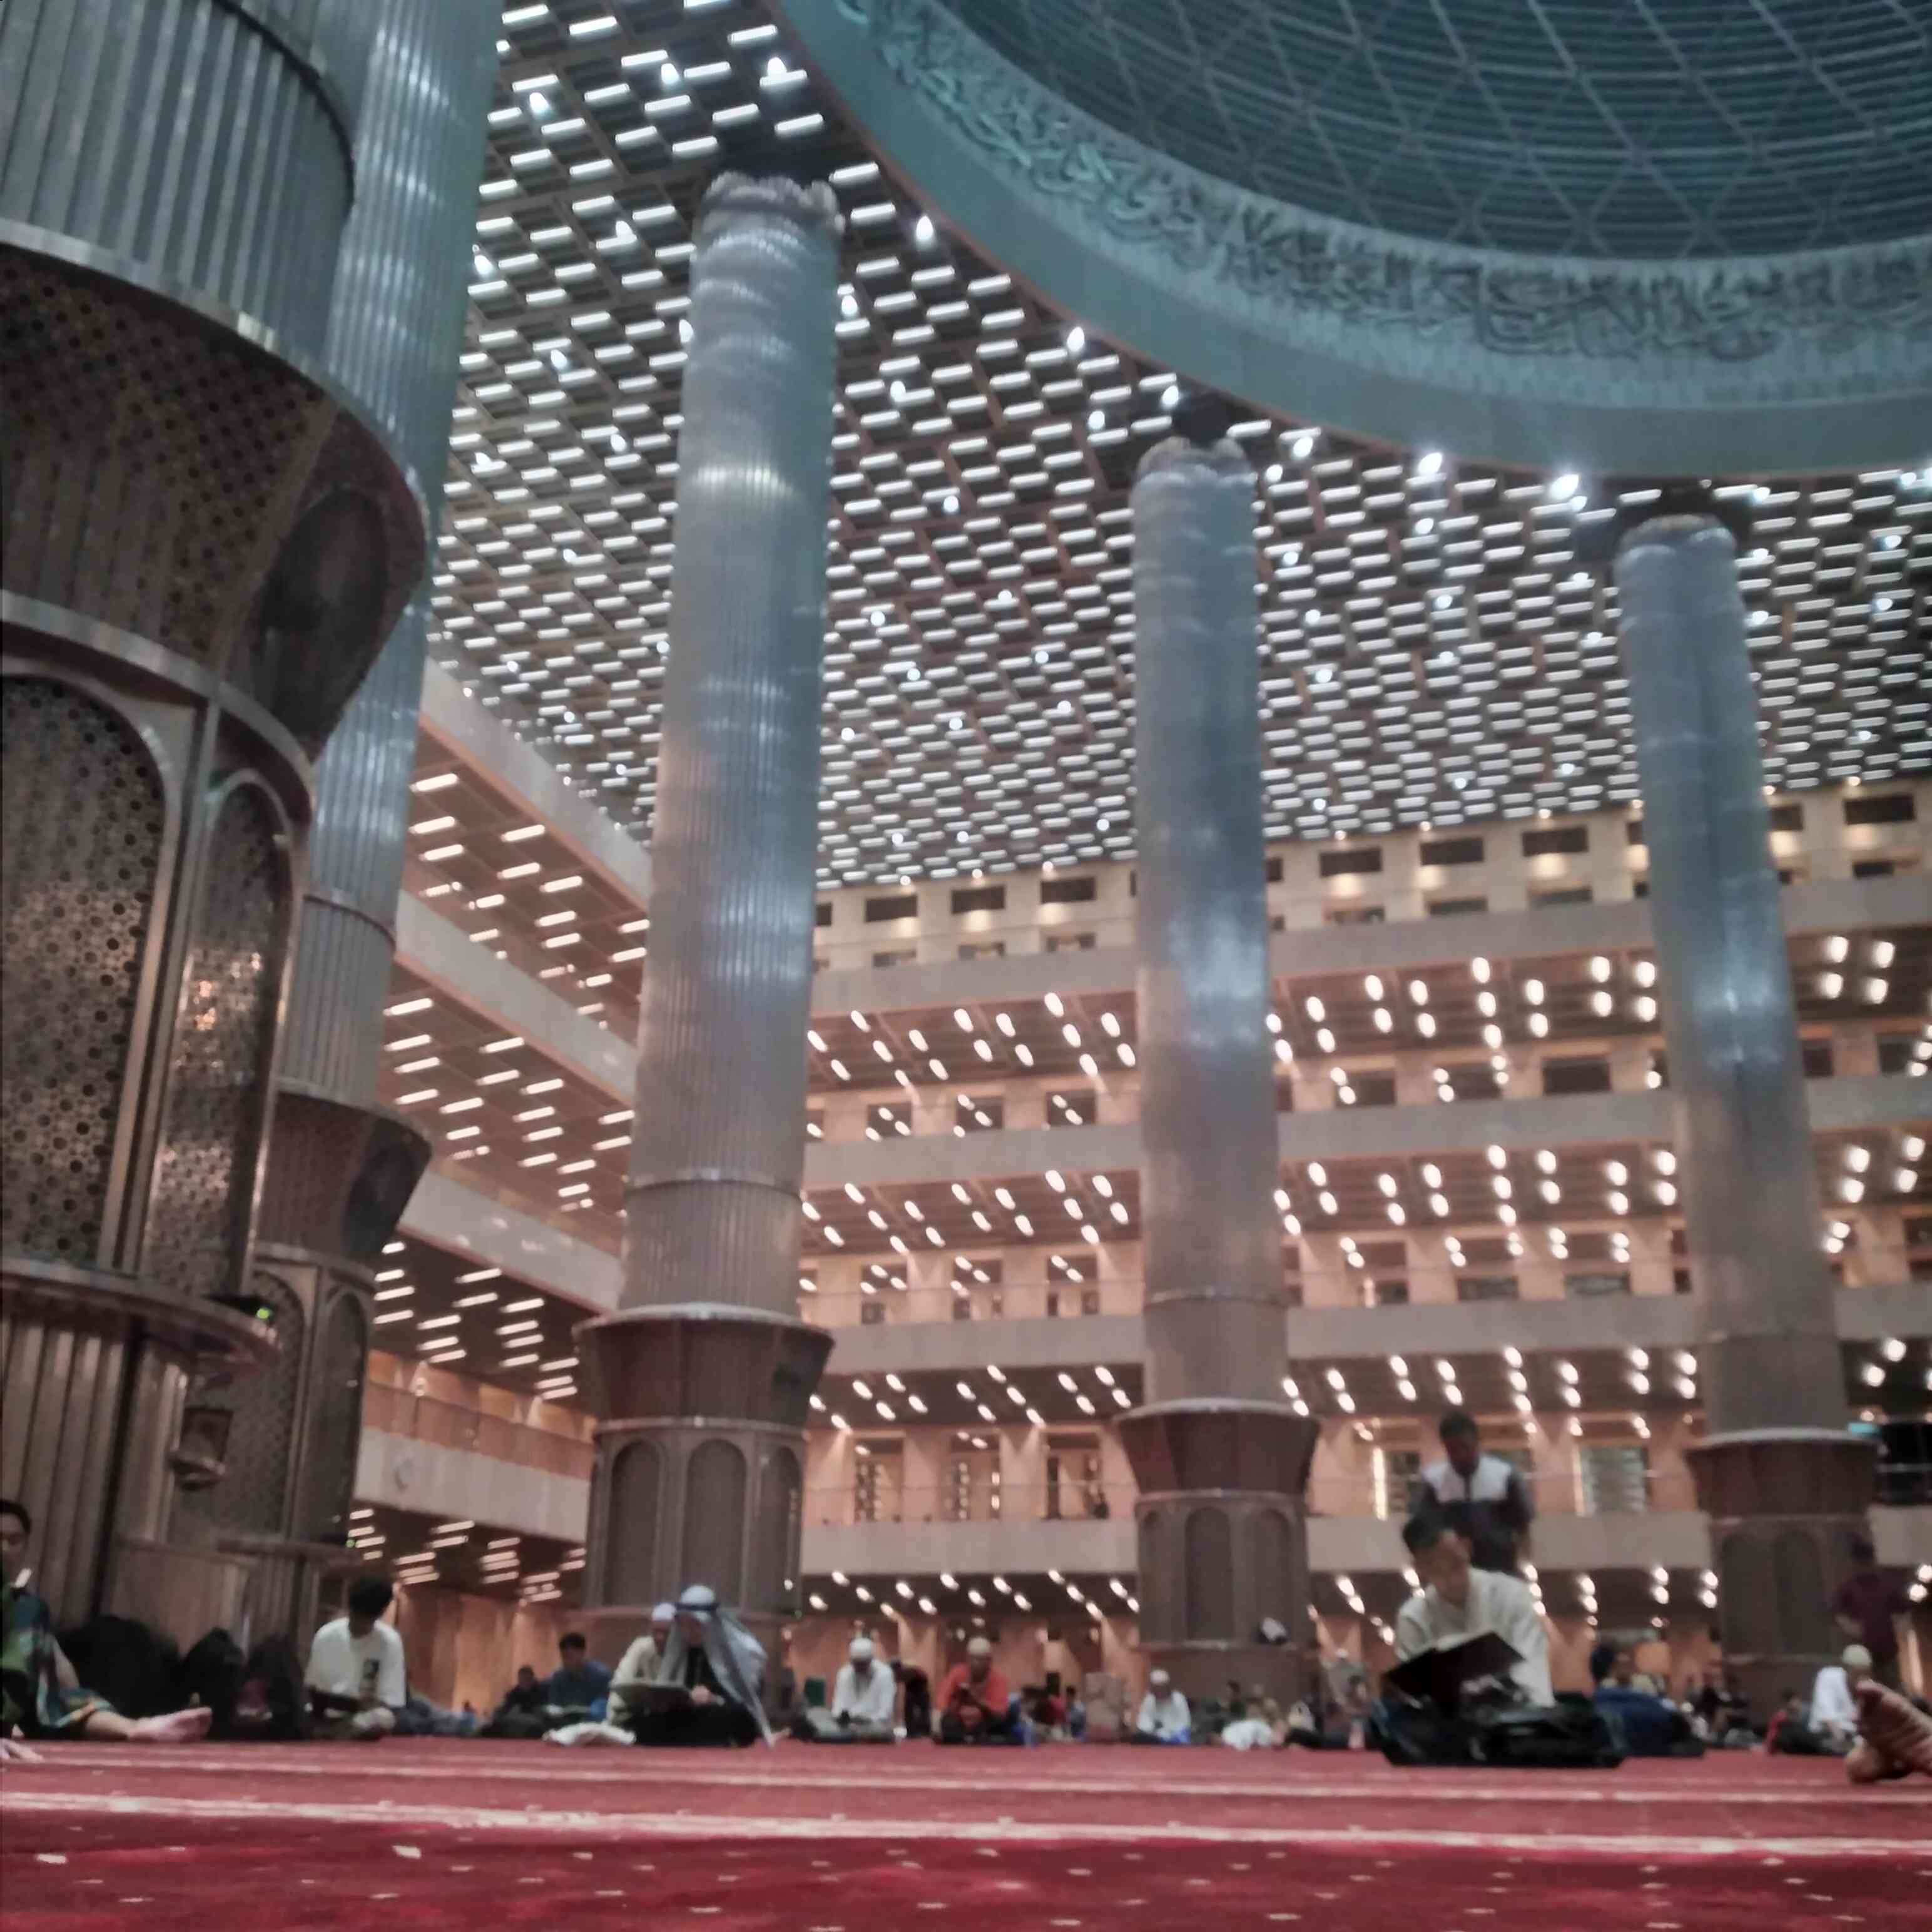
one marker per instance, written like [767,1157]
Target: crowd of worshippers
[1470,1683]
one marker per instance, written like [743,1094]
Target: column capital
[732,196]
[1679,503]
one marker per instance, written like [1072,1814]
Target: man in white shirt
[861,1711]
[638,1665]
[1164,1718]
[1458,1600]
[356,1678]
[1834,1709]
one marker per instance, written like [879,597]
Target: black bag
[134,1668]
[1571,1734]
[210,1674]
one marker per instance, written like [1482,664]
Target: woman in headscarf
[711,1656]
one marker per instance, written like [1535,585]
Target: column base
[700,1456]
[1223,1540]
[1784,1505]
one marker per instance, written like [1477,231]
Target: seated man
[1650,1727]
[1835,1710]
[521,1714]
[1248,1727]
[1164,1718]
[579,1688]
[39,1696]
[1457,1600]
[863,1696]
[974,1703]
[357,1681]
[638,1665]
[720,1666]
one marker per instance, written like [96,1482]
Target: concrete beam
[456,1485]
[463,1221]
[510,764]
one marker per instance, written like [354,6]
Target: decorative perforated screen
[84,815]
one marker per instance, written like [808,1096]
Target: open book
[640,1694]
[1437,1675]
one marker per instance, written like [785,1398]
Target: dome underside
[1643,129]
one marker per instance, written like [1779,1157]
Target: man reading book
[1456,1600]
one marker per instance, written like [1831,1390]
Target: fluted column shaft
[1211,1240]
[701,1379]
[340,1168]
[207,140]
[719,1141]
[395,333]
[1220,1456]
[1785,1485]
[1745,1173]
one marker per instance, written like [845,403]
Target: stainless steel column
[1220,1457]
[702,1381]
[1786,1486]
[340,1168]
[203,545]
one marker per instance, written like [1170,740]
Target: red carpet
[449,1833]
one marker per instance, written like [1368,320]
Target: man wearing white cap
[1164,1718]
[862,1703]
[1834,1711]
[639,1665]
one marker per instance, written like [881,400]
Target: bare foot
[1894,1729]
[177,1727]
[14,1751]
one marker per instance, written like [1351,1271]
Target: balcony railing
[448,1426]
[1557,1495]
[1538,1275]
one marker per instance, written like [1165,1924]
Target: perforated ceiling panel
[1431,651]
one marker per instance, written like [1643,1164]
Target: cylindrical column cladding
[340,1168]
[394,335]
[208,141]
[1220,1457]
[712,1240]
[1211,1240]
[719,1139]
[1786,1485]
[202,547]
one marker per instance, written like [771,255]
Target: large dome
[1628,128]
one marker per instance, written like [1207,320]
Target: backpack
[1571,1734]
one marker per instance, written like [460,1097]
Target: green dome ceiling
[1627,128]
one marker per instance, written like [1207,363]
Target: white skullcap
[663,1613]
[860,1650]
[1856,1657]
[699,1600]
[979,1647]
[1158,1677]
